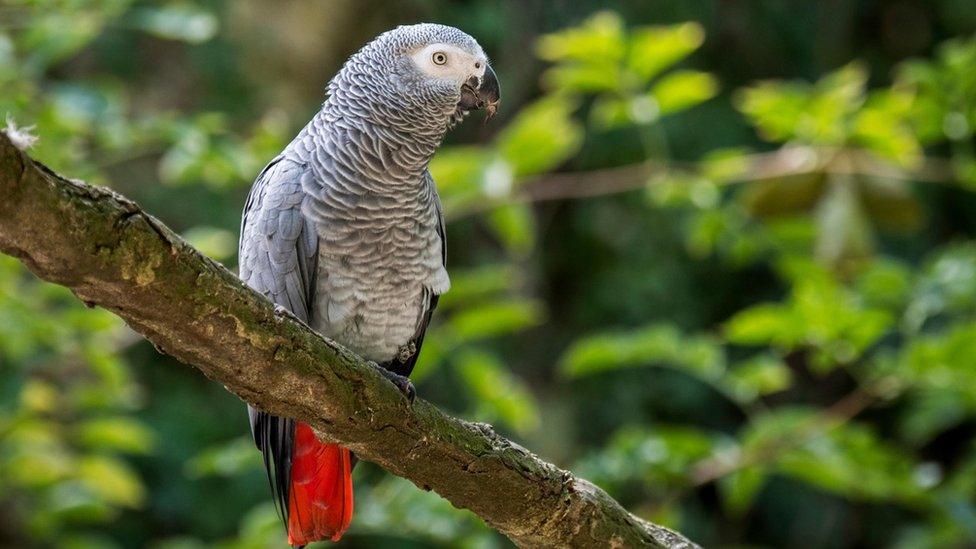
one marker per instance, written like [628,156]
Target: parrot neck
[384,159]
[417,122]
[390,147]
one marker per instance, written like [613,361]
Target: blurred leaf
[931,412]
[681,90]
[656,345]
[477,284]
[55,35]
[38,396]
[944,91]
[514,225]
[498,394]
[541,136]
[945,286]
[759,376]
[609,112]
[497,318]
[112,480]
[941,361]
[819,313]
[600,39]
[394,507]
[116,433]
[819,114]
[653,49]
[848,459]
[180,21]
[657,458]
[602,77]
[218,244]
[775,109]
[885,283]
[458,173]
[227,459]
[881,127]
[739,489]
[764,324]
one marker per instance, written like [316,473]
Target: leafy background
[717,257]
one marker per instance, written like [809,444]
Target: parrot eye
[439,58]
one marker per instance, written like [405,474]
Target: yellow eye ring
[439,58]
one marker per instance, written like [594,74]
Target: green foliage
[819,314]
[601,57]
[660,344]
[791,329]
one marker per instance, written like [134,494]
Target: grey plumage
[344,228]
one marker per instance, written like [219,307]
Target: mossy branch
[112,254]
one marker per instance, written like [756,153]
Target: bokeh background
[716,256]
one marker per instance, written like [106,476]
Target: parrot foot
[402,383]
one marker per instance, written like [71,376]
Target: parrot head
[421,78]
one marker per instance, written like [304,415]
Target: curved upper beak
[483,93]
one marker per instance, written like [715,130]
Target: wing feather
[278,254]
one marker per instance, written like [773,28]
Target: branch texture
[112,254]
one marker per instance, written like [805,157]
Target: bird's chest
[374,282]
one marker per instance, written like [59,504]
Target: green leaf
[584,78]
[850,459]
[681,90]
[183,22]
[216,243]
[656,345]
[653,49]
[941,361]
[774,108]
[885,283]
[542,136]
[478,284]
[819,314]
[226,460]
[514,225]
[457,169]
[820,114]
[882,127]
[119,433]
[759,376]
[599,40]
[739,489]
[764,324]
[498,394]
[609,112]
[659,458]
[494,319]
[945,286]
[112,480]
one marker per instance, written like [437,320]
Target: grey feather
[277,255]
[345,228]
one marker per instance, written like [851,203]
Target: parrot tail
[320,499]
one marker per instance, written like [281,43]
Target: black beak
[483,93]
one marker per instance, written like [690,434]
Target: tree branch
[110,253]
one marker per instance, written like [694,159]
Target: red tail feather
[320,500]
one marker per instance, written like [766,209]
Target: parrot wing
[277,256]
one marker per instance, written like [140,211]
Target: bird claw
[402,383]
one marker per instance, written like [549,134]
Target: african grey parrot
[344,229]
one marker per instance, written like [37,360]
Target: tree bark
[112,254]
